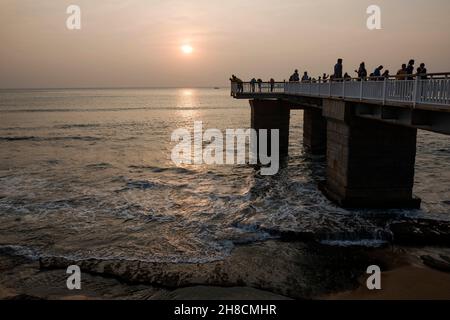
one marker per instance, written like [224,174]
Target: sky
[137,43]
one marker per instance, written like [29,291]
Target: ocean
[87,173]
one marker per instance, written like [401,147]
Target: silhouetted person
[259,84]
[410,69]
[305,77]
[325,77]
[272,84]
[377,73]
[347,77]
[295,76]
[234,79]
[338,70]
[253,84]
[422,71]
[362,72]
[385,74]
[402,72]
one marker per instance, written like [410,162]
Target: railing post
[343,88]
[415,91]
[329,88]
[384,90]
[361,90]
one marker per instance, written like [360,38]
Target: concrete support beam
[314,131]
[369,163]
[272,114]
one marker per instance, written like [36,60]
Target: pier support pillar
[370,164]
[272,114]
[314,131]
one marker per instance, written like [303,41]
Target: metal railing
[409,89]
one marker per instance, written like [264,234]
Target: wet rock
[22,279]
[295,270]
[438,264]
[421,232]
[445,258]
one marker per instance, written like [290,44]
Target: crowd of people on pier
[406,72]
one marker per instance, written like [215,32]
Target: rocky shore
[300,268]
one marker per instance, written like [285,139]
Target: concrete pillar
[369,163]
[314,131]
[272,114]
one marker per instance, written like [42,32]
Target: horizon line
[115,87]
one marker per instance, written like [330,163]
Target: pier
[367,128]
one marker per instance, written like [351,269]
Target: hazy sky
[137,42]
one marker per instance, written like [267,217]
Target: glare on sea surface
[187,103]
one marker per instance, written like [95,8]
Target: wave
[41,139]
[70,126]
[36,254]
[178,170]
[102,165]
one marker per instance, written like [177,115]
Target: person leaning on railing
[401,74]
[238,82]
[362,71]
[422,72]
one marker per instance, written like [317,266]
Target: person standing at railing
[253,84]
[362,72]
[240,85]
[410,69]
[238,82]
[422,74]
[386,74]
[259,84]
[272,84]
[347,77]
[305,77]
[422,71]
[325,78]
[338,67]
[295,77]
[401,74]
[233,80]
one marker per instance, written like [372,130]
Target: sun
[187,49]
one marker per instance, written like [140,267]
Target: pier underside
[370,163]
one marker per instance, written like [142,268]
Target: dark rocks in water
[357,236]
[438,264]
[21,279]
[293,270]
[421,232]
[290,235]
